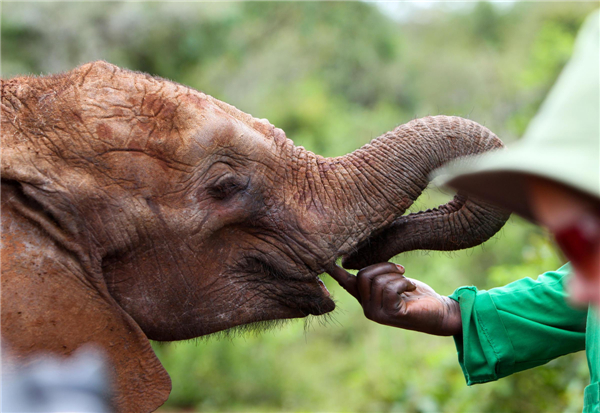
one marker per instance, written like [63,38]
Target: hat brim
[501,177]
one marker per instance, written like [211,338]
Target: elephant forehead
[173,122]
[212,123]
[135,116]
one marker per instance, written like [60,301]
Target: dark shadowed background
[333,76]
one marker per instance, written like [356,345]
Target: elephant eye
[225,187]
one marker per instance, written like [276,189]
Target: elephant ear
[54,297]
[51,304]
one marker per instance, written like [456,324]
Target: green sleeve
[516,327]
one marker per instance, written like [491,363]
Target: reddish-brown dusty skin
[134,208]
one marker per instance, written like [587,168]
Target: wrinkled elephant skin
[134,208]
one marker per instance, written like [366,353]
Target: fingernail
[400,267]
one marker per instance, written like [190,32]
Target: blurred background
[334,76]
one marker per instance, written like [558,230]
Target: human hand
[389,298]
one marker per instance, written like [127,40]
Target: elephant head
[134,208]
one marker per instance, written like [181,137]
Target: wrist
[452,320]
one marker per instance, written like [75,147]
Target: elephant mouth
[323,287]
[304,292]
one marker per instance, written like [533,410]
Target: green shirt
[525,324]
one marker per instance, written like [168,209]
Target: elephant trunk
[367,192]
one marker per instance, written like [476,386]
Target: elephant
[135,209]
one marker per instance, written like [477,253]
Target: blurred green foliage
[334,75]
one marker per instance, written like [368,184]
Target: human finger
[392,292]
[377,286]
[345,279]
[366,275]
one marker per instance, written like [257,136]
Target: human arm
[519,326]
[498,332]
